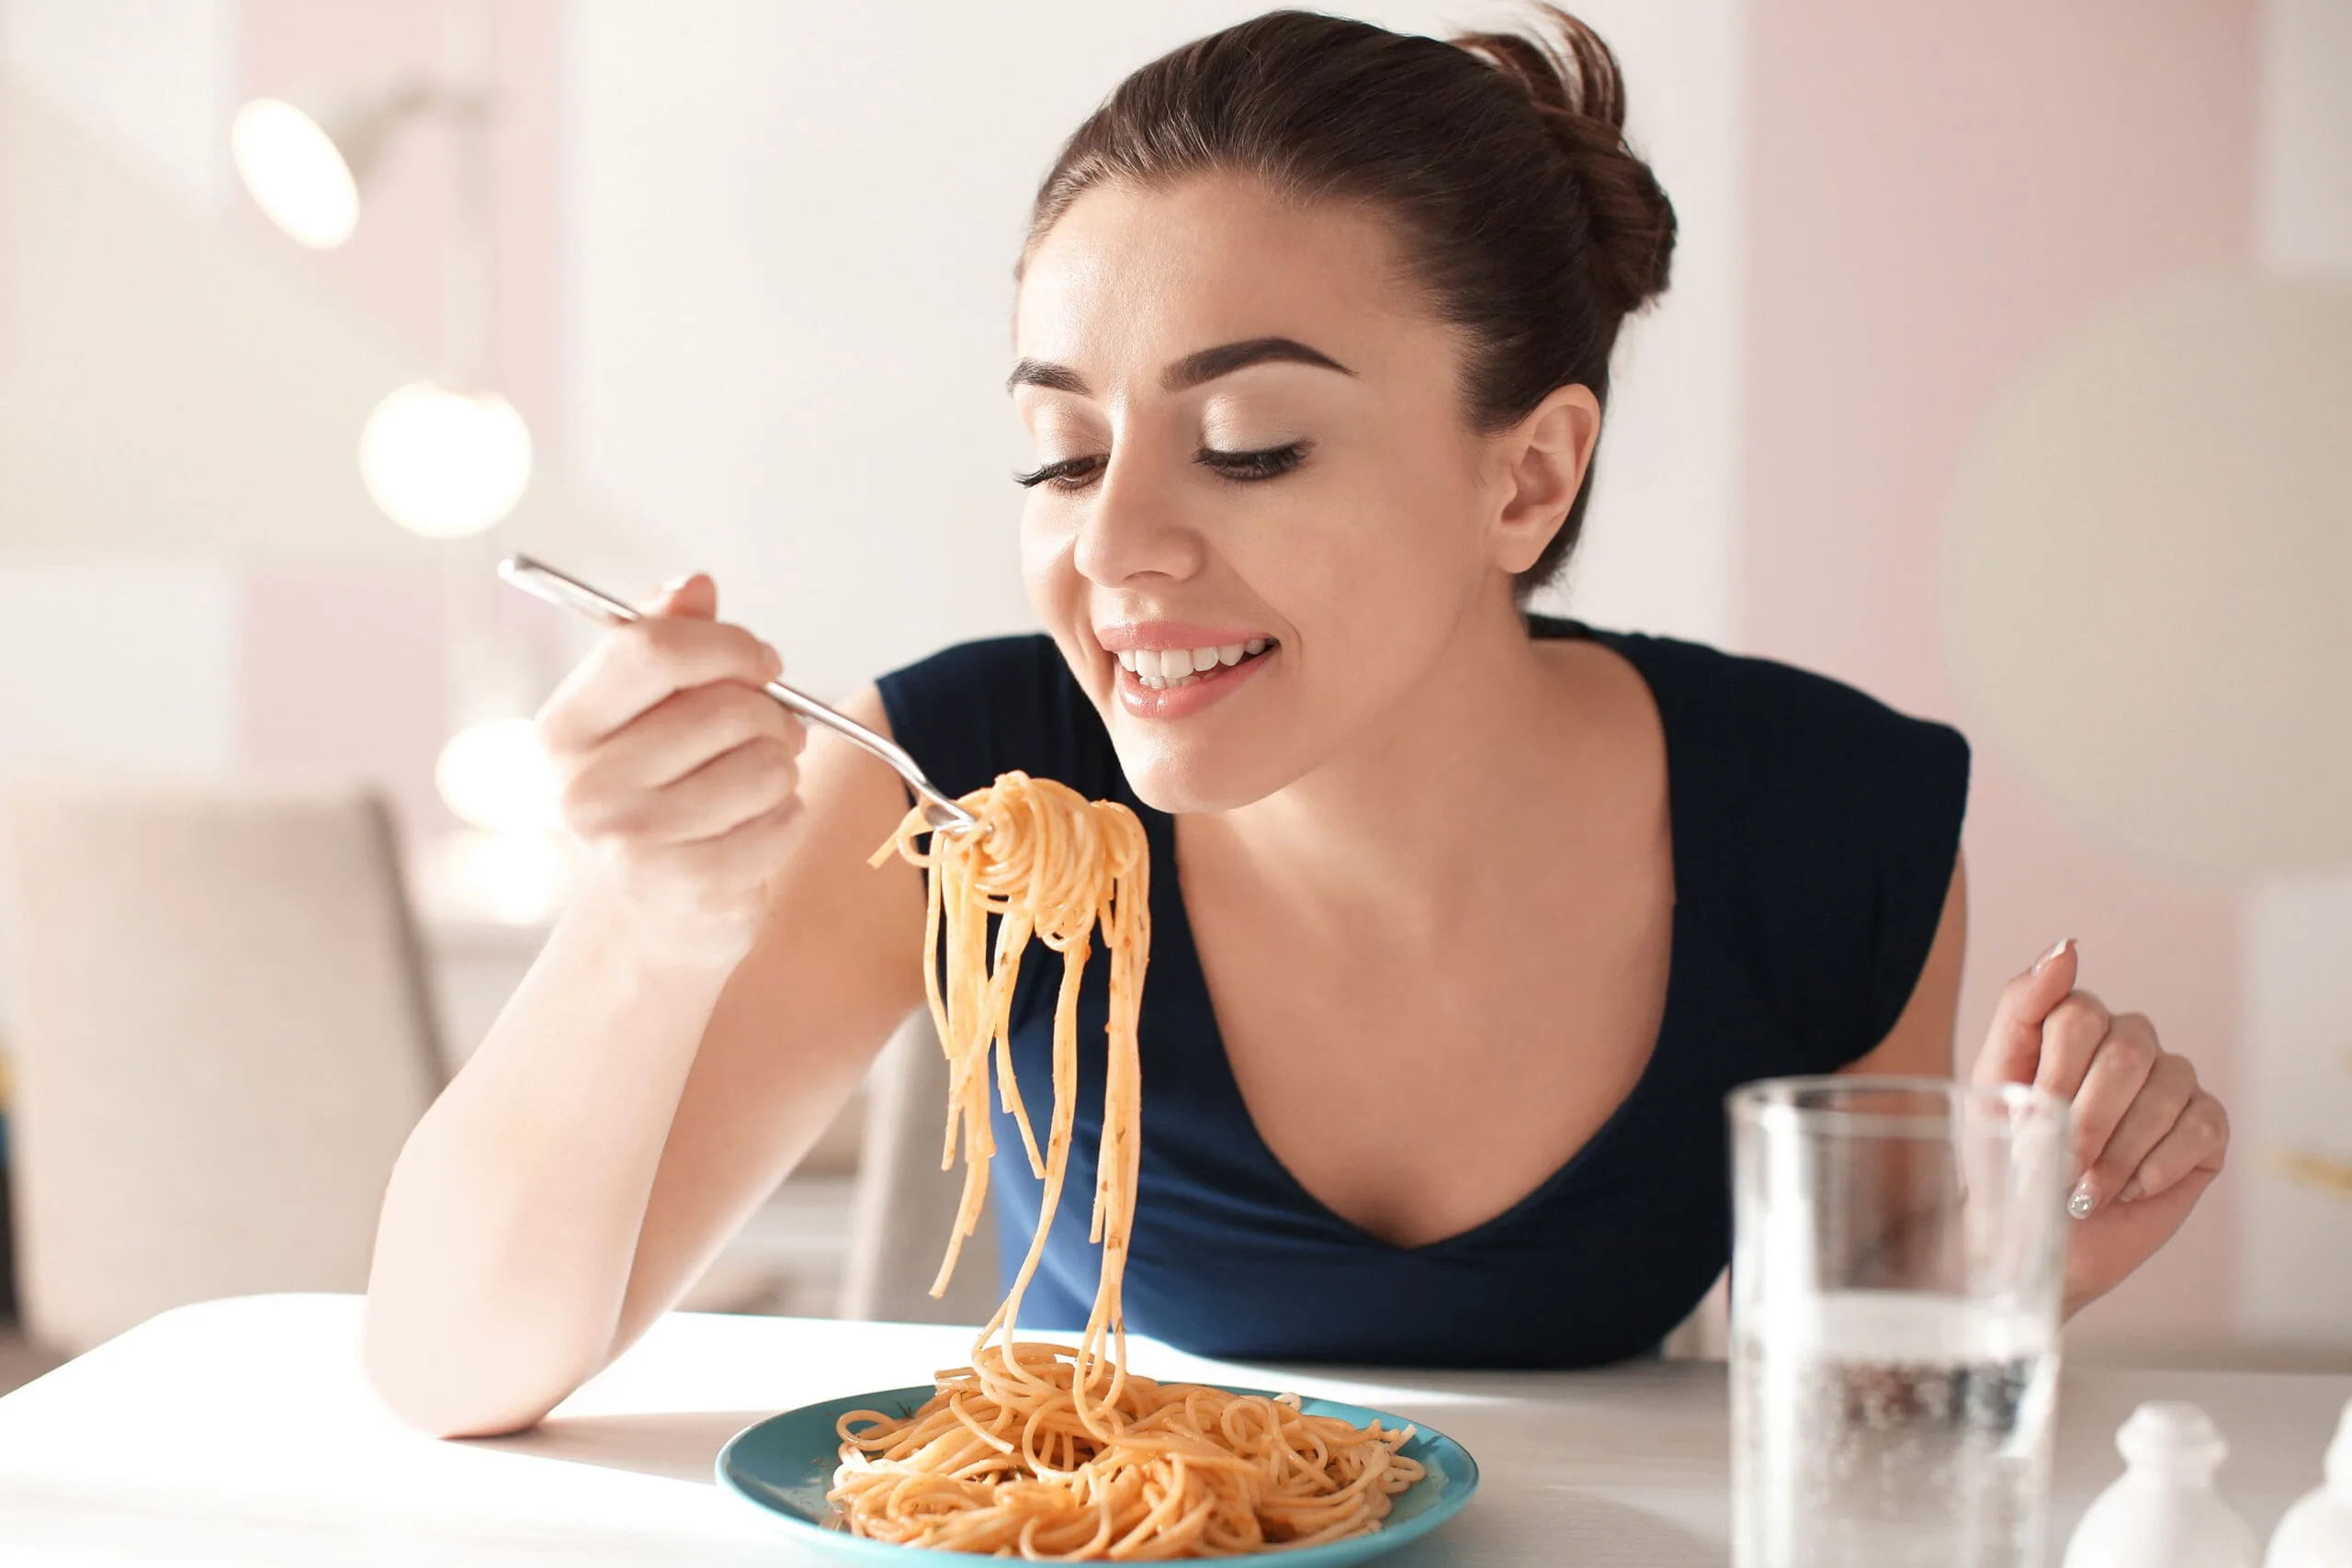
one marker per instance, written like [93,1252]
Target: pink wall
[1935,193]
[342,668]
[392,268]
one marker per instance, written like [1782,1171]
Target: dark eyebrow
[1047,374]
[1225,359]
[1188,372]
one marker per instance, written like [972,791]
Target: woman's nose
[1135,528]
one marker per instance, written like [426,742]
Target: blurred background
[2006,374]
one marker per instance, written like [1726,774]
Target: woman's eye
[1267,462]
[1071,473]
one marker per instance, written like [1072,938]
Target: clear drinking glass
[1897,1267]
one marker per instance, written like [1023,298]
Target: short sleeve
[1822,830]
[1924,797]
[979,709]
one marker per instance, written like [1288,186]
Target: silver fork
[542,581]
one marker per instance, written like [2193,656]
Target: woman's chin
[1185,776]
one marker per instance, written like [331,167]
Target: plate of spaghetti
[1059,1453]
[788,1466]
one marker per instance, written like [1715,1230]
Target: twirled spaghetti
[1049,1450]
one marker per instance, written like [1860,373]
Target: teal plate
[785,1464]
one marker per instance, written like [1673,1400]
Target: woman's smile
[1171,669]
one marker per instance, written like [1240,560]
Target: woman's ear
[1545,458]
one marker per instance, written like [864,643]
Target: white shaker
[2164,1513]
[2317,1531]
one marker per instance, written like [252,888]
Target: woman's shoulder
[1821,822]
[975,710]
[1768,726]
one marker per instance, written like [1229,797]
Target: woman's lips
[1205,688]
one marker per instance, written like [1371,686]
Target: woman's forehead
[1129,279]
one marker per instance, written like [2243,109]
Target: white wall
[151,76]
[2303,154]
[136,662]
[790,297]
[117,669]
[2296,932]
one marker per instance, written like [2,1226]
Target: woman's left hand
[2148,1140]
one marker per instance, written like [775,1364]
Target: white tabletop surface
[241,1432]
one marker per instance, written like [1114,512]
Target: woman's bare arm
[628,1109]
[837,967]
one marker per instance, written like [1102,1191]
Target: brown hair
[1500,156]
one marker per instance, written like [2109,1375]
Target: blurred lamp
[306,170]
[295,173]
[2149,572]
[445,462]
[495,776]
[520,878]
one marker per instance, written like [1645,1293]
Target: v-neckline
[1161,826]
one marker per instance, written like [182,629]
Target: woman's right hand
[678,773]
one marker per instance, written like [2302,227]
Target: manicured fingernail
[677,583]
[775,660]
[2132,1191]
[2047,959]
[2083,1200]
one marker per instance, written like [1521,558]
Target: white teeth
[1162,668]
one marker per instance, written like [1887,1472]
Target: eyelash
[1071,473]
[1247,467]
[1242,467]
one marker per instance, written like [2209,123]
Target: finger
[2199,1141]
[692,597]
[2151,1116]
[2103,1252]
[2013,1047]
[633,667]
[721,796]
[2118,1070]
[677,736]
[743,852]
[2071,1036]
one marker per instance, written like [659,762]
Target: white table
[241,1432]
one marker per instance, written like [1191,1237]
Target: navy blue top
[1814,835]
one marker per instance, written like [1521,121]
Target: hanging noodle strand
[1056,1451]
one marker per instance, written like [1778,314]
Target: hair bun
[1573,83]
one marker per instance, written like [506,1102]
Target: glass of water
[1897,1267]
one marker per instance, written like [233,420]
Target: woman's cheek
[1385,556]
[1048,569]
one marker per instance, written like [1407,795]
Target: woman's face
[1258,517]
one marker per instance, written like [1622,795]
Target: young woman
[1464,920]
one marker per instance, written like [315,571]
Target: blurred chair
[903,1205]
[222,1036]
